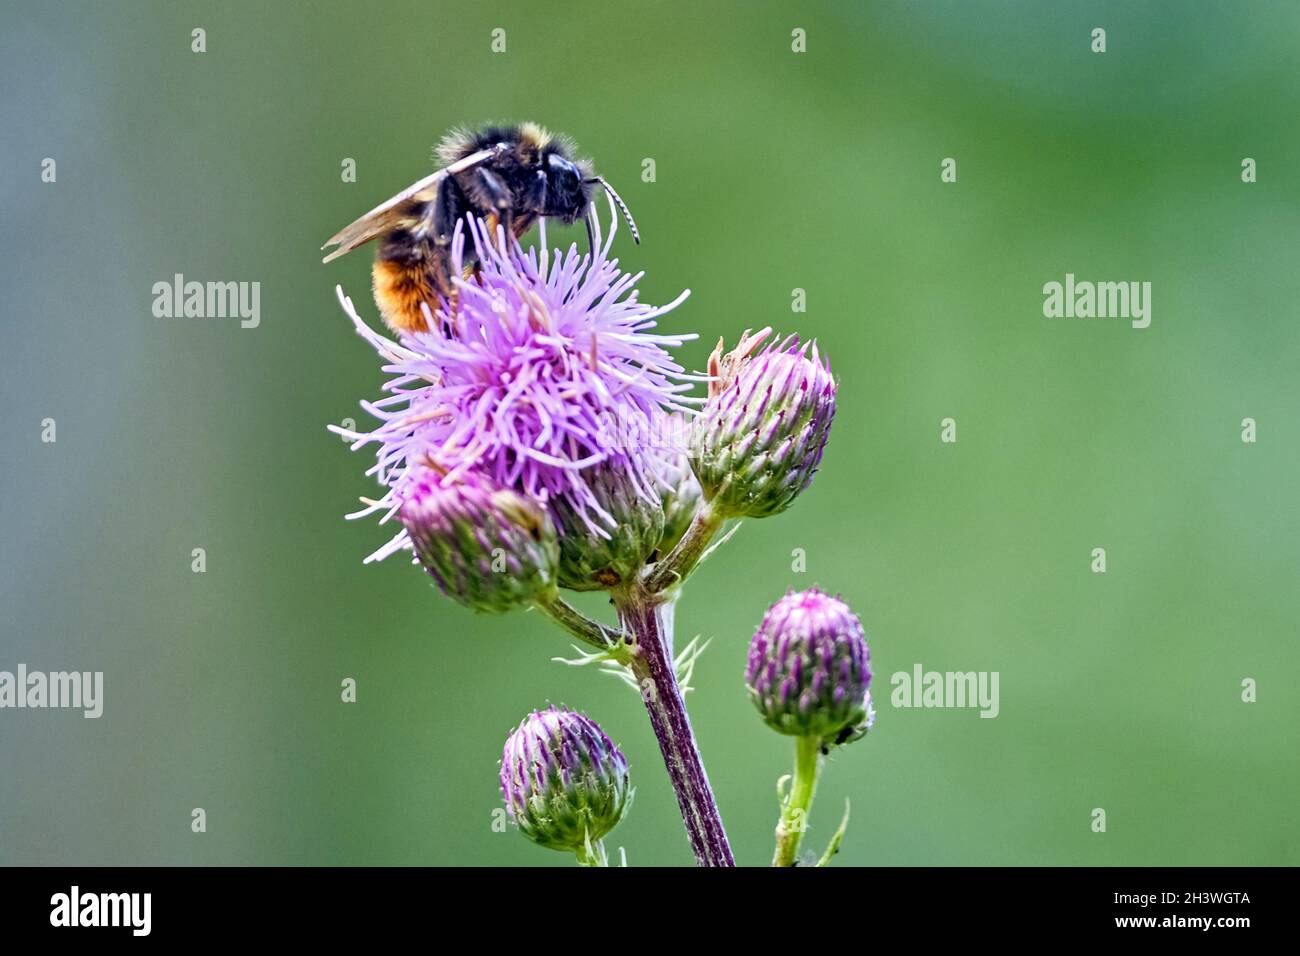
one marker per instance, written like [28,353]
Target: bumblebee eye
[563,172]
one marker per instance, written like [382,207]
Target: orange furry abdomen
[401,292]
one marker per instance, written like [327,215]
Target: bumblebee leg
[533,195]
[521,223]
[449,206]
[499,199]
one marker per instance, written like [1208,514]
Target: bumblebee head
[567,190]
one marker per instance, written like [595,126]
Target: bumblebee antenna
[618,200]
[591,236]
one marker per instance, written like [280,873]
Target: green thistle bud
[762,432]
[609,548]
[680,490]
[487,547]
[564,782]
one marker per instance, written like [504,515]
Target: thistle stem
[590,632]
[649,620]
[681,561]
[593,854]
[794,814]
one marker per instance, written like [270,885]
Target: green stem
[593,854]
[681,561]
[794,815]
[590,632]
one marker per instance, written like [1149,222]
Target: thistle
[762,431]
[808,674]
[809,668]
[492,454]
[611,551]
[564,782]
[515,383]
[487,547]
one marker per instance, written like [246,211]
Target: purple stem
[649,620]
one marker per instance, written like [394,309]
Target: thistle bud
[564,782]
[487,547]
[679,488]
[607,536]
[761,434]
[809,669]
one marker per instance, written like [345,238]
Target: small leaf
[586,658]
[719,543]
[683,665]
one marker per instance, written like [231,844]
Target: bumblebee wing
[388,215]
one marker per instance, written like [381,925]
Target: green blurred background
[774,171]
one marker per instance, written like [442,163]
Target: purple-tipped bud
[763,429]
[610,544]
[490,548]
[564,782]
[810,668]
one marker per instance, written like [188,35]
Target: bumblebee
[507,175]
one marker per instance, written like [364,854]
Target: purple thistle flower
[564,782]
[809,669]
[539,356]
